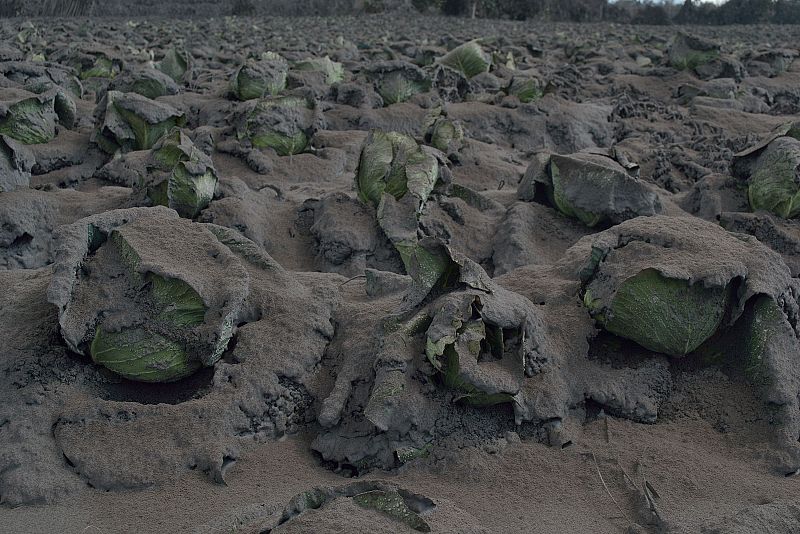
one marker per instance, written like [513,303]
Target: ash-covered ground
[387,274]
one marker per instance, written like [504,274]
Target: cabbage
[689,52]
[589,186]
[397,81]
[180,176]
[395,164]
[775,183]
[526,88]
[442,133]
[129,121]
[89,62]
[158,296]
[16,163]
[176,64]
[30,119]
[284,124]
[662,314]
[256,79]
[468,59]
[391,504]
[150,83]
[334,71]
[63,102]
[458,338]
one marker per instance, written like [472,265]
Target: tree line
[627,11]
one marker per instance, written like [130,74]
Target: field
[398,274]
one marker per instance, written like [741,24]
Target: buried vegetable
[662,314]
[30,118]
[284,124]
[775,183]
[256,79]
[458,340]
[649,280]
[16,162]
[772,170]
[129,121]
[179,175]
[89,62]
[397,176]
[394,163]
[397,81]
[177,64]
[443,133]
[689,52]
[159,298]
[150,83]
[468,59]
[333,71]
[526,88]
[592,187]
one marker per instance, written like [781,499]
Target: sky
[699,1]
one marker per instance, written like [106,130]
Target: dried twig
[351,279]
[608,491]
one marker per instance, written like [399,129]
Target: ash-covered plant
[284,124]
[129,121]
[89,62]
[469,59]
[177,64]
[332,70]
[443,133]
[31,118]
[159,296]
[594,187]
[179,175]
[772,171]
[148,82]
[260,78]
[527,88]
[397,81]
[16,162]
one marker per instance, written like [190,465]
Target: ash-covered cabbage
[129,121]
[63,101]
[89,62]
[670,284]
[257,79]
[526,88]
[148,82]
[396,176]
[663,314]
[592,187]
[772,171]
[689,52]
[285,124]
[397,81]
[148,295]
[333,70]
[177,64]
[16,162]
[37,78]
[443,133]
[468,350]
[391,504]
[179,175]
[394,163]
[31,118]
[468,59]
[775,183]
[388,499]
